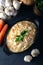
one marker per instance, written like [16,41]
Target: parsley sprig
[21,36]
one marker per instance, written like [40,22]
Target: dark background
[6,58]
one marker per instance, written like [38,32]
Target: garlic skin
[16,4]
[3,15]
[9,11]
[8,3]
[35,52]
[28,58]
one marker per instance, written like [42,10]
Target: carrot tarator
[2,33]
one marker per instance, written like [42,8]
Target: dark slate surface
[7,58]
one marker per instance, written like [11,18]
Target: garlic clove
[9,11]
[28,58]
[15,13]
[35,52]
[2,3]
[3,15]
[16,4]
[8,3]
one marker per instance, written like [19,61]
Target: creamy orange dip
[15,31]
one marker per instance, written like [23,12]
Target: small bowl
[37,25]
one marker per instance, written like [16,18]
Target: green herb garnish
[21,36]
[24,32]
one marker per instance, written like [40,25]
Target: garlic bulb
[8,3]
[3,15]
[16,4]
[27,58]
[35,52]
[9,11]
